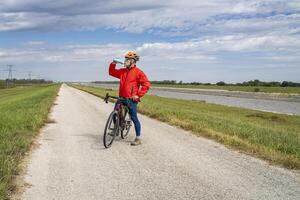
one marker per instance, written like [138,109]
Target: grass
[273,137]
[285,90]
[17,83]
[23,111]
[2,84]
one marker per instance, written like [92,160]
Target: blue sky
[205,41]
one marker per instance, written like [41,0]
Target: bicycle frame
[119,107]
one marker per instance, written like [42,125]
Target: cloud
[229,43]
[68,53]
[190,17]
[35,43]
[2,54]
[209,49]
[201,59]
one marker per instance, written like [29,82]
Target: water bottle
[119,60]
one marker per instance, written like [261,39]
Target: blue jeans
[132,106]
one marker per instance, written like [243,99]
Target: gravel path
[71,162]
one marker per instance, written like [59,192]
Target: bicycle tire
[125,131]
[106,141]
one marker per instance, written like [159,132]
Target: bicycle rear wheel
[111,128]
[127,125]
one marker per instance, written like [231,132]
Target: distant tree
[221,83]
[284,84]
[274,84]
[195,83]
[255,83]
[168,82]
[245,83]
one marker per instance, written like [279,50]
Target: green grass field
[274,137]
[2,84]
[23,111]
[287,90]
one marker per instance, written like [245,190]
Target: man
[134,84]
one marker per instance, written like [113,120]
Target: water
[256,104]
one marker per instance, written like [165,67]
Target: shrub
[256,89]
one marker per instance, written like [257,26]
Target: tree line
[14,82]
[222,83]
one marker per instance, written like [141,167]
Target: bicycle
[118,122]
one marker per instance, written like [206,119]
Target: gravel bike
[118,122]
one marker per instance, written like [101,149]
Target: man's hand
[135,98]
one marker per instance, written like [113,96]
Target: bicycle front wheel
[111,129]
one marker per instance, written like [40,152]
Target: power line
[12,74]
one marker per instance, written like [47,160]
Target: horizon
[160,81]
[207,41]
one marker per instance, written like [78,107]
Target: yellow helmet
[133,55]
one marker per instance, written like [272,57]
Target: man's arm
[113,71]
[145,83]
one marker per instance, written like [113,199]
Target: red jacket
[132,81]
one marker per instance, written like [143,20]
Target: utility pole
[10,75]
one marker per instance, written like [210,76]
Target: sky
[203,41]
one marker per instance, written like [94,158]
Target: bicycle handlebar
[107,96]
